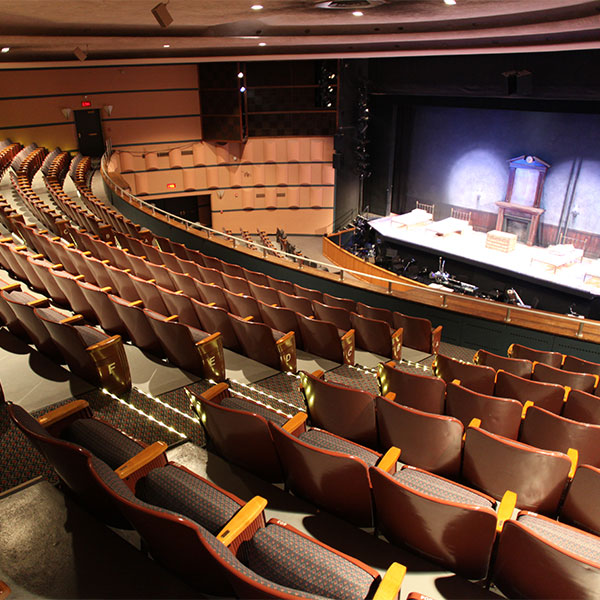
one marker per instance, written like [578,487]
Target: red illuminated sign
[86,103]
[171,186]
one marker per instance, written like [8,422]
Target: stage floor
[529,261]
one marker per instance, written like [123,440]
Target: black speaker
[338,140]
[337,160]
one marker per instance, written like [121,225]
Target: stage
[546,278]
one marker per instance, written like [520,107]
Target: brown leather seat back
[215,318]
[578,365]
[581,406]
[545,395]
[521,367]
[416,332]
[243,306]
[237,285]
[298,304]
[321,338]
[422,392]
[498,415]
[308,293]
[347,303]
[582,501]
[431,442]
[256,340]
[263,293]
[375,336]
[282,319]
[494,464]
[544,429]
[585,382]
[371,312]
[474,377]
[340,317]
[554,359]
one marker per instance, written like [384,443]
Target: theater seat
[90,353]
[478,378]
[330,471]
[346,412]
[325,339]
[282,319]
[377,336]
[189,348]
[340,317]
[554,359]
[422,392]
[578,365]
[585,382]
[237,429]
[213,319]
[265,345]
[540,558]
[545,395]
[68,436]
[497,415]
[345,303]
[544,429]
[494,464]
[418,333]
[580,507]
[428,441]
[581,406]
[517,366]
[451,524]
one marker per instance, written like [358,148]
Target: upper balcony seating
[340,317]
[325,339]
[377,336]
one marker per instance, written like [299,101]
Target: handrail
[508,313]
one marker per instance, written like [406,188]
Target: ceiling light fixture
[166,45]
[358,13]
[5,49]
[262,43]
[242,89]
[450,2]
[257,7]
[240,75]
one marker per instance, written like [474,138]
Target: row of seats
[455,525]
[185,346]
[211,538]
[8,151]
[89,353]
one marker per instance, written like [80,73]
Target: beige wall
[150,104]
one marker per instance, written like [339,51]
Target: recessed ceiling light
[257,7]
[5,49]
[166,45]
[450,2]
[262,43]
[240,75]
[358,13]
[243,89]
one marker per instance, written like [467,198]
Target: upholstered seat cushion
[245,405]
[584,545]
[179,491]
[111,479]
[106,442]
[438,487]
[288,558]
[327,441]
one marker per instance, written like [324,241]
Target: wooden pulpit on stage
[520,212]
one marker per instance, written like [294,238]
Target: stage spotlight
[162,15]
[80,54]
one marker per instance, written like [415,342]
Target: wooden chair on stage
[430,208]
[459,213]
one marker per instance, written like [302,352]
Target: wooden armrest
[141,459]
[476,358]
[39,302]
[87,253]
[456,381]
[6,240]
[126,270]
[240,521]
[106,289]
[171,318]
[348,334]
[248,318]
[295,422]
[474,422]
[566,394]
[506,508]
[57,266]
[525,408]
[20,248]
[71,320]
[151,280]
[79,277]
[319,374]
[212,304]
[135,303]
[510,351]
[210,338]
[58,414]
[11,287]
[179,292]
[391,396]
[210,393]
[574,456]
[105,261]
[284,338]
[37,256]
[388,461]
[389,588]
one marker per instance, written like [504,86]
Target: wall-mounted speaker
[337,160]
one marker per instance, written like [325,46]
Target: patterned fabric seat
[179,491]
[224,558]
[438,487]
[327,441]
[241,404]
[102,440]
[582,544]
[285,556]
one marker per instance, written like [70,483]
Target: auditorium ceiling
[127,31]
